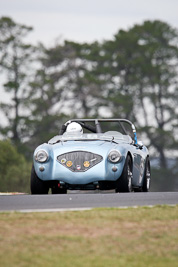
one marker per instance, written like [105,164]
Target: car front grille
[79,161]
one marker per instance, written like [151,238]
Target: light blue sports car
[92,154]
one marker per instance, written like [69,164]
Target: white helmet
[74,127]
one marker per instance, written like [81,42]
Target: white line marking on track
[82,209]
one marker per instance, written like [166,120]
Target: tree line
[133,76]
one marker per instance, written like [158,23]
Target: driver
[74,128]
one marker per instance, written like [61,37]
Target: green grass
[99,237]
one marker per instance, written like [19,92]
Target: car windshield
[107,136]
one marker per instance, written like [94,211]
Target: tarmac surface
[81,201]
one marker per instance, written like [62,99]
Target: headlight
[41,156]
[114,156]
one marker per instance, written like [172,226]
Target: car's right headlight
[114,156]
[41,156]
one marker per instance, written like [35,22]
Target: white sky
[85,20]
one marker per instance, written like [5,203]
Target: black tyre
[38,187]
[59,190]
[124,183]
[147,176]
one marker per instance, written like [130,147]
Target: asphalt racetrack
[79,201]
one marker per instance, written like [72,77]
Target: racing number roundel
[69,163]
[86,164]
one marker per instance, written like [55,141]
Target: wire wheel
[124,183]
[147,176]
[38,187]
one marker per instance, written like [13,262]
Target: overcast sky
[85,20]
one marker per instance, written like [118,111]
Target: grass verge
[98,237]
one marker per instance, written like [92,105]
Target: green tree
[47,101]
[63,87]
[15,61]
[157,92]
[14,170]
[143,63]
[115,75]
[73,64]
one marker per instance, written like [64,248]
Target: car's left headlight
[114,156]
[41,156]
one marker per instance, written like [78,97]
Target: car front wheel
[147,176]
[124,183]
[38,187]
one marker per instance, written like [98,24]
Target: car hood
[97,147]
[92,146]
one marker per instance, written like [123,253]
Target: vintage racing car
[85,155]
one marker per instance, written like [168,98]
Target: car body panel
[101,144]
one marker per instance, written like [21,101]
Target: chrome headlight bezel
[114,156]
[41,156]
